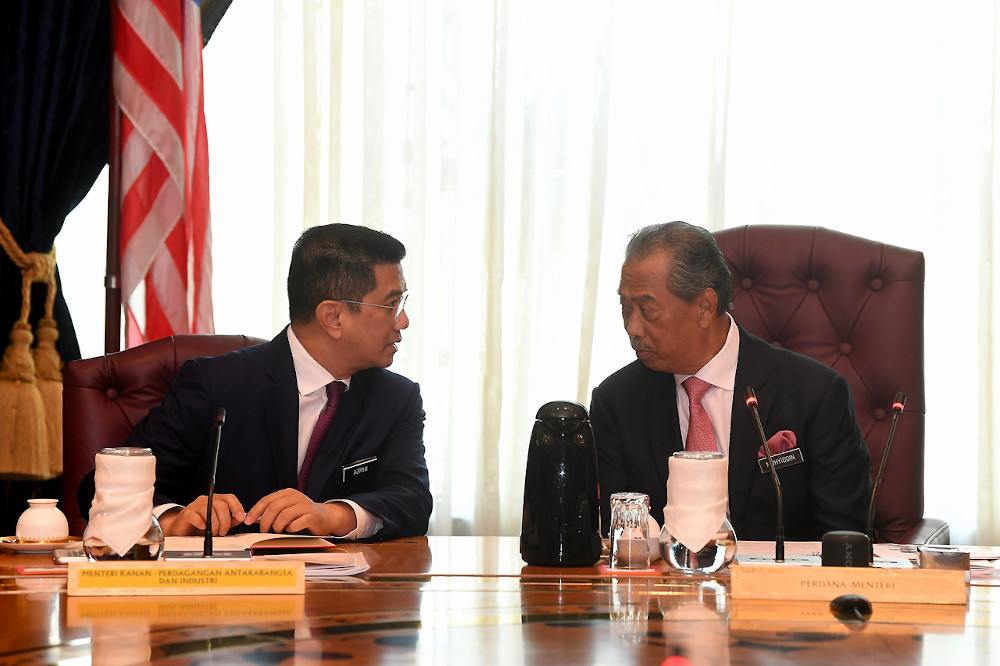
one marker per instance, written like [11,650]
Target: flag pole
[112,274]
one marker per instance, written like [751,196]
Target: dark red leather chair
[104,397]
[858,306]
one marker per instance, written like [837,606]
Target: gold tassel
[48,371]
[31,407]
[22,412]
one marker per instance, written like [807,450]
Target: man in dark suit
[366,477]
[675,293]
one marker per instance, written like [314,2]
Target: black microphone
[843,548]
[220,420]
[897,409]
[207,552]
[779,530]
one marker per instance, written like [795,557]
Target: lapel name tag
[358,468]
[783,459]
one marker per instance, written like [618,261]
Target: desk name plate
[184,578]
[799,583]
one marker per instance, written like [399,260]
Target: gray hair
[698,263]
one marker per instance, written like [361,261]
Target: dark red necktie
[333,392]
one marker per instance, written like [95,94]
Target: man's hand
[190,520]
[289,510]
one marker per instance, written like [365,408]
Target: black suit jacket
[634,416]
[381,416]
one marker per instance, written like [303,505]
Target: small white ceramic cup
[42,522]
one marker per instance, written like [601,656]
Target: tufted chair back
[857,306]
[104,397]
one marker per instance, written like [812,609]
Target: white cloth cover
[123,500]
[696,500]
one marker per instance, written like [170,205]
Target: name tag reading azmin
[783,459]
[356,469]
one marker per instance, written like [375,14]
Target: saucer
[12,543]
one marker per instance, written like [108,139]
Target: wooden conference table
[471,600]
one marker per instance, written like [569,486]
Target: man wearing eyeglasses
[319,437]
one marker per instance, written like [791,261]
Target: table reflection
[470,599]
[629,608]
[696,624]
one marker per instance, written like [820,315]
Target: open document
[324,559]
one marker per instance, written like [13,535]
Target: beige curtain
[513,145]
[988,449]
[435,122]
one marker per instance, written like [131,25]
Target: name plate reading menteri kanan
[184,578]
[922,586]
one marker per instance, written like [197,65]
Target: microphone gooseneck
[220,420]
[779,529]
[897,409]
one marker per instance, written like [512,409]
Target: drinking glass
[629,531]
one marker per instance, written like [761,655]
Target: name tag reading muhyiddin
[783,459]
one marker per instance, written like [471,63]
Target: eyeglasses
[397,307]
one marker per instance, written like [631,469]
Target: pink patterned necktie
[700,436]
[333,392]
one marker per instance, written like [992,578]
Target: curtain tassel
[31,380]
[48,373]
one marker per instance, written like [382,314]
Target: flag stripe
[135,153]
[157,324]
[176,251]
[172,13]
[161,34]
[150,124]
[149,73]
[165,282]
[149,235]
[140,198]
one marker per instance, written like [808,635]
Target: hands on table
[286,510]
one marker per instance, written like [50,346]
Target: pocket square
[780,442]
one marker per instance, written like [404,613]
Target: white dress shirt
[720,372]
[312,379]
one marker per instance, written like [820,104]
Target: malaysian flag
[166,262]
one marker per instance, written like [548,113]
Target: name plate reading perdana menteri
[184,578]
[923,586]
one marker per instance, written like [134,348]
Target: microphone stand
[779,530]
[897,409]
[220,420]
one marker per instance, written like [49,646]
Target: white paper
[324,566]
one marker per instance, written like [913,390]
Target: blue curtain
[54,82]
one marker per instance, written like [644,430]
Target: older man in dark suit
[675,293]
[319,436]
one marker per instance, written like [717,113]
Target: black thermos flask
[561,522]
